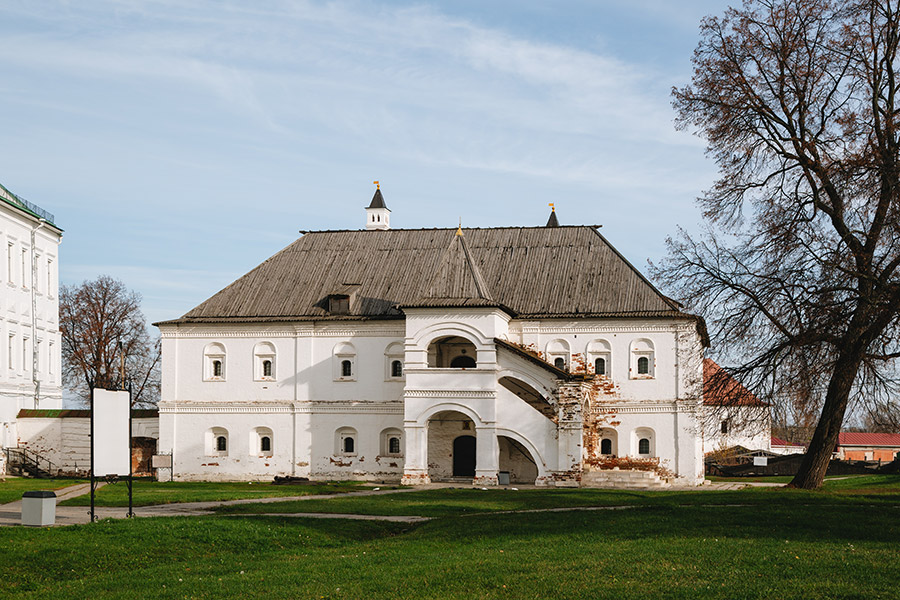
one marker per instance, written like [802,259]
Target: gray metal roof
[530,271]
[377,200]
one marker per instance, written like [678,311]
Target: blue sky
[179,144]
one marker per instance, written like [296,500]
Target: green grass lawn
[13,488]
[875,490]
[805,551]
[147,492]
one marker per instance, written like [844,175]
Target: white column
[487,455]
[415,468]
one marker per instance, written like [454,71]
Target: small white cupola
[378,216]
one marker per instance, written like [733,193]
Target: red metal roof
[780,442]
[852,438]
[721,389]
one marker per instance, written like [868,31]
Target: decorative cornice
[603,329]
[381,408]
[218,333]
[460,394]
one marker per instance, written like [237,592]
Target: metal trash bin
[39,508]
[503,478]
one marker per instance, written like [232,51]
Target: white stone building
[29,313]
[430,354]
[732,415]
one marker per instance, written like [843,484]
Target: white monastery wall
[29,318]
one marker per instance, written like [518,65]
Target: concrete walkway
[11,514]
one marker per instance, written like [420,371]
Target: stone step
[623,479]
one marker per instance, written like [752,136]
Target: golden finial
[459,229]
[377,184]
[552,207]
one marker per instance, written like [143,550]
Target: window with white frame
[345,440]
[644,442]
[214,362]
[599,354]
[10,262]
[49,276]
[26,364]
[558,354]
[24,267]
[264,361]
[392,442]
[344,362]
[393,361]
[643,359]
[217,441]
[11,352]
[50,350]
[261,441]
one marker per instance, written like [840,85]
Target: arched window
[558,354]
[599,352]
[217,441]
[261,441]
[444,352]
[646,442]
[643,359]
[345,441]
[644,446]
[344,362]
[264,361]
[463,362]
[214,362]
[393,361]
[391,444]
[606,446]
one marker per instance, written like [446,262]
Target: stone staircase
[623,480]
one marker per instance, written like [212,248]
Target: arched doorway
[464,456]
[516,460]
[447,456]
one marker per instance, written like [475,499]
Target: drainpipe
[35,351]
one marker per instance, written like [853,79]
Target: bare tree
[797,270]
[100,322]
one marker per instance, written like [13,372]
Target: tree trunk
[825,438]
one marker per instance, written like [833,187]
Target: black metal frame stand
[112,479]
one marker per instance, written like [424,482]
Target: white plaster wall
[66,442]
[17,389]
[674,436]
[748,427]
[194,457]
[674,375]
[367,462]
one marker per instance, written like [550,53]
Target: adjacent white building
[29,312]
[434,354]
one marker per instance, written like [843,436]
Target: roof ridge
[457,263]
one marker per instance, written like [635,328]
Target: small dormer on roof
[457,281]
[378,215]
[552,221]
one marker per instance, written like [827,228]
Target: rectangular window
[50,359]
[24,354]
[24,269]
[49,276]
[11,352]
[9,262]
